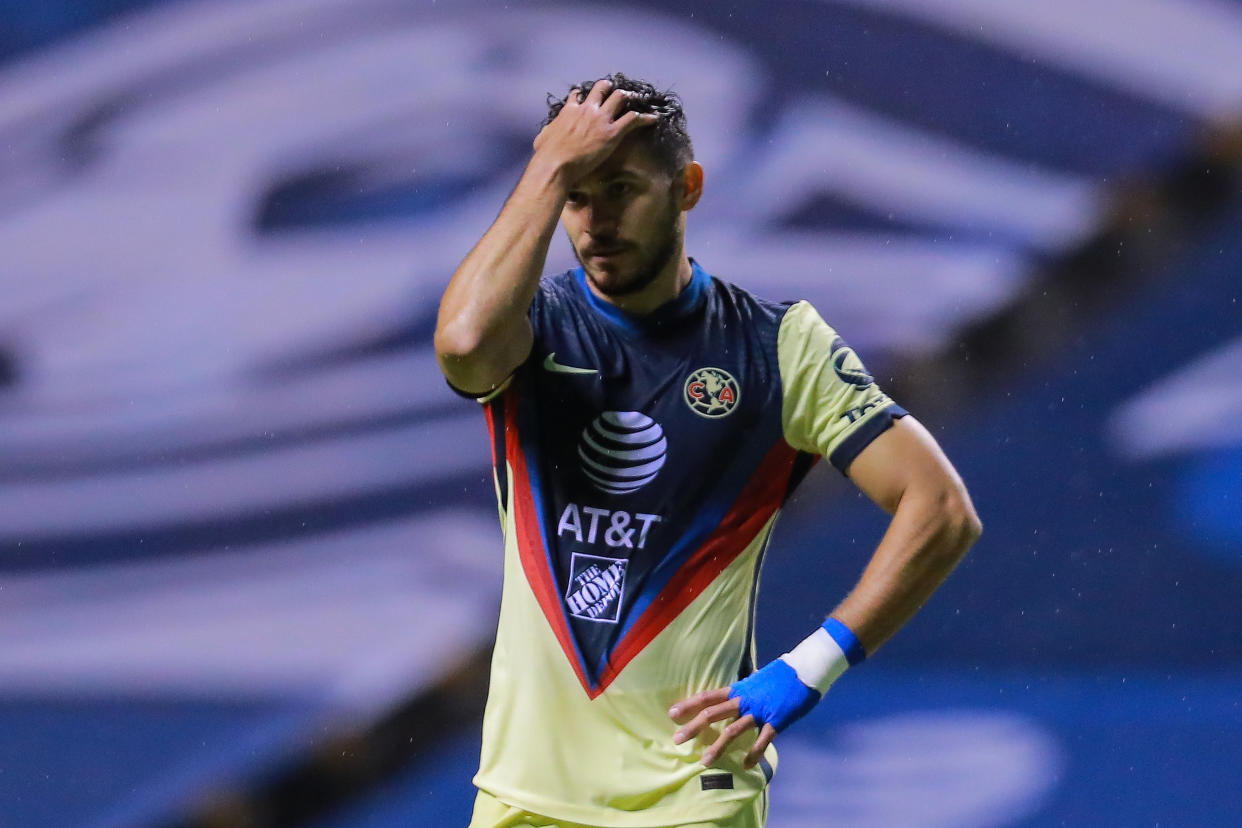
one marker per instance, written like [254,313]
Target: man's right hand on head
[584,133]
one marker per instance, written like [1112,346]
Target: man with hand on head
[647,422]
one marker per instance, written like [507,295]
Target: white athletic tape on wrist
[818,660]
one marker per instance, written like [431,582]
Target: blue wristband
[846,640]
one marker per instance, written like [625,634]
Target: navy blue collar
[684,304]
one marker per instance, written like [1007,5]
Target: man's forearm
[928,535]
[482,331]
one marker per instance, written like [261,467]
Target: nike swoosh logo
[555,367]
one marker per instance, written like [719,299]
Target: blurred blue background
[249,560]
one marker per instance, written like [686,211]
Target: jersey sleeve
[830,406]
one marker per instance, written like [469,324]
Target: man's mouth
[601,252]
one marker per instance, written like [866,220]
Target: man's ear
[691,185]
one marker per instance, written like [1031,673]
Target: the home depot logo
[596,587]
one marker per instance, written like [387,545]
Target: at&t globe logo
[848,366]
[622,451]
[711,392]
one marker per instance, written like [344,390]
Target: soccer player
[647,421]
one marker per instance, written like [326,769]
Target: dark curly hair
[668,139]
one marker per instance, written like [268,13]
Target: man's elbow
[456,342]
[952,521]
[458,355]
[478,360]
[961,521]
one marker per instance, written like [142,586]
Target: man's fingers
[615,102]
[599,91]
[691,705]
[633,120]
[726,736]
[766,735]
[708,715]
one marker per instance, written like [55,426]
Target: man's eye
[576,198]
[618,189]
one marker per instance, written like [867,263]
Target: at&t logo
[622,451]
[848,366]
[711,392]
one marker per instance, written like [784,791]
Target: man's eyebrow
[609,177]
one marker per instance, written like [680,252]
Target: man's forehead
[633,156]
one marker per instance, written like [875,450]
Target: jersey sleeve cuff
[875,425]
[486,396]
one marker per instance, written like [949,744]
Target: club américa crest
[712,392]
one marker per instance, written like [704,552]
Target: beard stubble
[661,251]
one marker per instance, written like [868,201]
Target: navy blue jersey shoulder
[709,311]
[638,434]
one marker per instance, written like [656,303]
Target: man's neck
[664,288]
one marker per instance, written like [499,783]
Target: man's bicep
[904,455]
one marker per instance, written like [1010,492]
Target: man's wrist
[550,172]
[825,654]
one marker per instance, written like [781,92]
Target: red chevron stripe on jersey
[531,549]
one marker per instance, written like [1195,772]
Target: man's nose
[602,221]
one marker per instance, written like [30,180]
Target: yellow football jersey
[640,464]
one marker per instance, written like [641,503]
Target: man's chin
[612,283]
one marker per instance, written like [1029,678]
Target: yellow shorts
[490,812]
